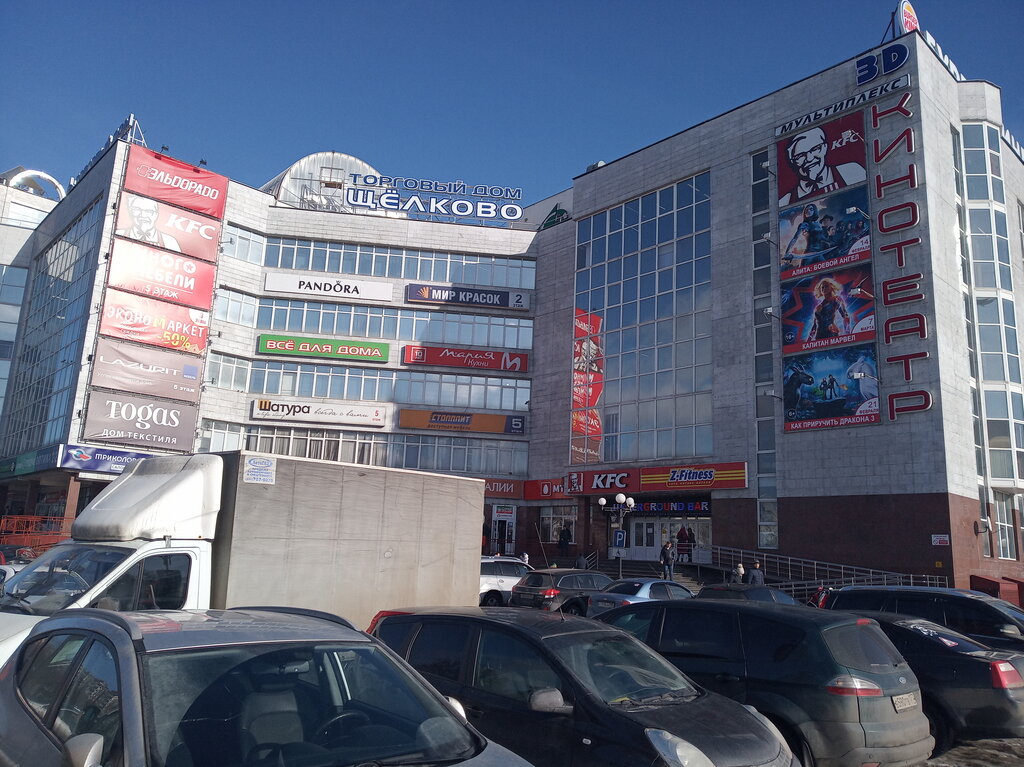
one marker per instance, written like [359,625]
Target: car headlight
[770,725]
[676,751]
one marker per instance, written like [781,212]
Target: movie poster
[827,233]
[587,385]
[828,309]
[821,160]
[830,388]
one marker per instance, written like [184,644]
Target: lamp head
[620,498]
[601,502]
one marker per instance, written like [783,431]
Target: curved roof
[318,182]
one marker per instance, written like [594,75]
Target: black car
[832,682]
[988,620]
[560,690]
[746,591]
[557,589]
[970,690]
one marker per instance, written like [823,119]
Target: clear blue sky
[521,94]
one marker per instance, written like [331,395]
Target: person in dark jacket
[668,561]
[755,575]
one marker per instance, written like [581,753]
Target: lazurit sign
[465,358]
[333,348]
[418,293]
[159,274]
[474,422]
[503,488]
[323,286]
[707,476]
[315,411]
[154,223]
[542,489]
[143,421]
[146,370]
[164,178]
[156,323]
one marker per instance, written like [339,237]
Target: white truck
[240,529]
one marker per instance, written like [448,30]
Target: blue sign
[418,293]
[619,539]
[99,459]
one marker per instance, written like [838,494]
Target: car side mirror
[85,750]
[549,701]
[1007,630]
[457,705]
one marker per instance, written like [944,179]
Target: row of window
[367,384]
[372,321]
[458,455]
[377,261]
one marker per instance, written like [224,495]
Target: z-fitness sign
[418,293]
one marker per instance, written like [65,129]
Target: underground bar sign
[329,348]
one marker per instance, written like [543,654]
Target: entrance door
[644,543]
[503,530]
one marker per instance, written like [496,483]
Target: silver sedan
[629,591]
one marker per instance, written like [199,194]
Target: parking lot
[1008,752]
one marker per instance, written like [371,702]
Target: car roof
[792,614]
[566,571]
[737,586]
[500,558]
[969,593]
[537,623]
[157,630]
[642,580]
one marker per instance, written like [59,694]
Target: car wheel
[572,609]
[492,599]
[797,743]
[938,728]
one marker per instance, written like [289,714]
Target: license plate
[605,604]
[905,701]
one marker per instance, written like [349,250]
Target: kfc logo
[575,482]
[609,481]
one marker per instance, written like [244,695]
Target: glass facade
[42,383]
[12,293]
[642,356]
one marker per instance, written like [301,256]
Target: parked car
[969,690]
[832,682]
[746,591]
[557,589]
[216,688]
[562,690]
[497,577]
[629,591]
[988,620]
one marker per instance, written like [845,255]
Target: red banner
[465,358]
[587,385]
[164,178]
[602,482]
[541,489]
[153,223]
[159,274]
[706,476]
[156,323]
[503,488]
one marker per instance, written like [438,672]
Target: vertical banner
[829,388]
[823,310]
[587,385]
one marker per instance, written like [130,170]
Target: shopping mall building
[791,328]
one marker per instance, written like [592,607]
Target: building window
[1006,537]
[553,519]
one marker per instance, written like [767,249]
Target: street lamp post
[617,515]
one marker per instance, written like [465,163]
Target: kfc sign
[179,183]
[593,482]
[154,223]
[465,358]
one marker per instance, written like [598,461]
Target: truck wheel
[492,599]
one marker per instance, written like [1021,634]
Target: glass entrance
[648,534]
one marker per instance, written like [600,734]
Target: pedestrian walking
[755,575]
[668,561]
[736,574]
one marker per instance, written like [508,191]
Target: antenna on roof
[891,28]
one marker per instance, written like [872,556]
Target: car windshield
[316,705]
[58,577]
[619,669]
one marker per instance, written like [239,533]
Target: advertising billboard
[828,309]
[98,459]
[143,421]
[163,226]
[585,426]
[159,274]
[542,489]
[707,476]
[146,370]
[465,358]
[332,348]
[822,159]
[830,388]
[503,488]
[322,286]
[158,323]
[825,234]
[474,422]
[318,411]
[164,178]
[418,293]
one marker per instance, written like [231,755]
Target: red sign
[542,489]
[153,223]
[465,358]
[164,178]
[503,488]
[602,482]
[160,274]
[707,476]
[587,386]
[156,323]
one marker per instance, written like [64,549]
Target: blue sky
[522,94]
